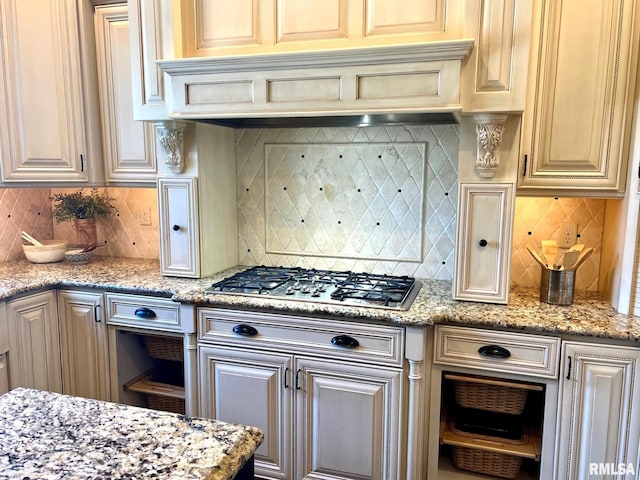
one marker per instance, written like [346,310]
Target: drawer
[535,355]
[303,335]
[152,313]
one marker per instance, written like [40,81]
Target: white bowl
[50,251]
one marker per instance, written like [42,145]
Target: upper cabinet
[218,27]
[49,121]
[580,97]
[129,145]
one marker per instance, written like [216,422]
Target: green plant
[70,206]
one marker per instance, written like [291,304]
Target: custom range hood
[405,84]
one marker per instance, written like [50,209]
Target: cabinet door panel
[598,418]
[179,253]
[347,421]
[308,20]
[484,242]
[570,142]
[128,144]
[44,104]
[249,388]
[83,337]
[34,342]
[4,374]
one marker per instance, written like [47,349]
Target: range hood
[406,84]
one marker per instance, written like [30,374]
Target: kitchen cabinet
[34,342]
[581,50]
[83,340]
[214,27]
[49,113]
[598,420]
[198,207]
[129,145]
[151,38]
[483,250]
[324,409]
[4,374]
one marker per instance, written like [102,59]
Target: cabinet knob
[176,228]
[483,243]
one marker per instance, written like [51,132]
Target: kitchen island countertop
[590,314]
[54,436]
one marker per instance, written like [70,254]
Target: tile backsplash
[416,235]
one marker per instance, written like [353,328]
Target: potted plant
[82,210]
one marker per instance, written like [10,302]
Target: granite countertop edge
[590,315]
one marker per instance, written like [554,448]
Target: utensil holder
[556,286]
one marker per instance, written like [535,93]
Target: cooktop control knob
[296,286]
[305,289]
[315,292]
[290,290]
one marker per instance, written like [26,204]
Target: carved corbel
[489,128]
[170,138]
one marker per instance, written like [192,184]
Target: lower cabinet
[325,411]
[34,347]
[599,420]
[83,340]
[4,374]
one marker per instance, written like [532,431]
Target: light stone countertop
[590,315]
[54,436]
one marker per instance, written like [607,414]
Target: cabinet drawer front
[535,355]
[376,343]
[153,313]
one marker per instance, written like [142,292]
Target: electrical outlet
[568,235]
[145,215]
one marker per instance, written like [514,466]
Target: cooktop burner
[325,286]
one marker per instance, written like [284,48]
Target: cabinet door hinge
[524,170]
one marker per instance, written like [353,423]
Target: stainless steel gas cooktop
[324,286]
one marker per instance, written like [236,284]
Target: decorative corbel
[489,128]
[170,136]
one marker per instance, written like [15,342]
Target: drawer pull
[345,341]
[144,312]
[245,330]
[494,351]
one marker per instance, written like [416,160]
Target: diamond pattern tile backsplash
[402,221]
[538,219]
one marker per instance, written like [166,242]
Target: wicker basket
[493,398]
[166,404]
[164,348]
[488,463]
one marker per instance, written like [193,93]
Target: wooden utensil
[536,256]
[570,259]
[586,253]
[30,239]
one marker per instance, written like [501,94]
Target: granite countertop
[54,436]
[590,314]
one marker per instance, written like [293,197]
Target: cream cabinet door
[4,374]
[83,339]
[252,388]
[34,342]
[347,420]
[47,113]
[179,233]
[598,418]
[483,253]
[129,145]
[580,97]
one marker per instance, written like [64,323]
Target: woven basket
[164,348]
[493,398]
[488,463]
[166,404]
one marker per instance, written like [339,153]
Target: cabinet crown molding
[432,51]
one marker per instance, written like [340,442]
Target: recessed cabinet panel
[598,417]
[484,242]
[586,50]
[385,17]
[299,20]
[178,226]
[128,144]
